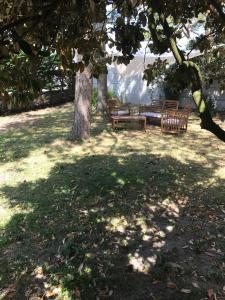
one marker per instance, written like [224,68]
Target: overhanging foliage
[63,26]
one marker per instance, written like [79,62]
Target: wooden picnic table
[117,121]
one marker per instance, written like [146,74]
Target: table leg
[145,124]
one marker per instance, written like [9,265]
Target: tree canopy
[41,27]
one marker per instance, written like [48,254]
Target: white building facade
[127,83]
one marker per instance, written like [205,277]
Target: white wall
[127,83]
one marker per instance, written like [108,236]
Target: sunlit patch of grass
[117,224]
[220,172]
[5,216]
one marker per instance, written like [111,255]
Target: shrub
[22,79]
[111,94]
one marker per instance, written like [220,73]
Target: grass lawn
[125,215]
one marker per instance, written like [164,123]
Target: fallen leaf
[174,265]
[80,267]
[77,294]
[34,297]
[94,283]
[209,254]
[171,285]
[52,293]
[211,293]
[195,284]
[185,291]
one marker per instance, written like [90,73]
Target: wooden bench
[120,121]
[174,121]
[115,108]
[122,110]
[156,110]
[170,105]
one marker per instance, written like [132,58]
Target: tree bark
[82,105]
[207,122]
[102,93]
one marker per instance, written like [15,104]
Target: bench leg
[145,124]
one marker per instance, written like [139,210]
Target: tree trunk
[102,93]
[207,122]
[82,104]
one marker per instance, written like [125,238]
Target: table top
[128,117]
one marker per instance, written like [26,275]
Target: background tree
[164,23]
[101,104]
[82,103]
[102,93]
[61,27]
[35,75]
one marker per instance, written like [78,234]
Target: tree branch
[34,18]
[200,40]
[161,45]
[204,113]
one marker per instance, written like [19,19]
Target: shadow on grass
[20,139]
[18,143]
[111,227]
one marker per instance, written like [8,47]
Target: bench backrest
[170,105]
[187,108]
[155,105]
[144,108]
